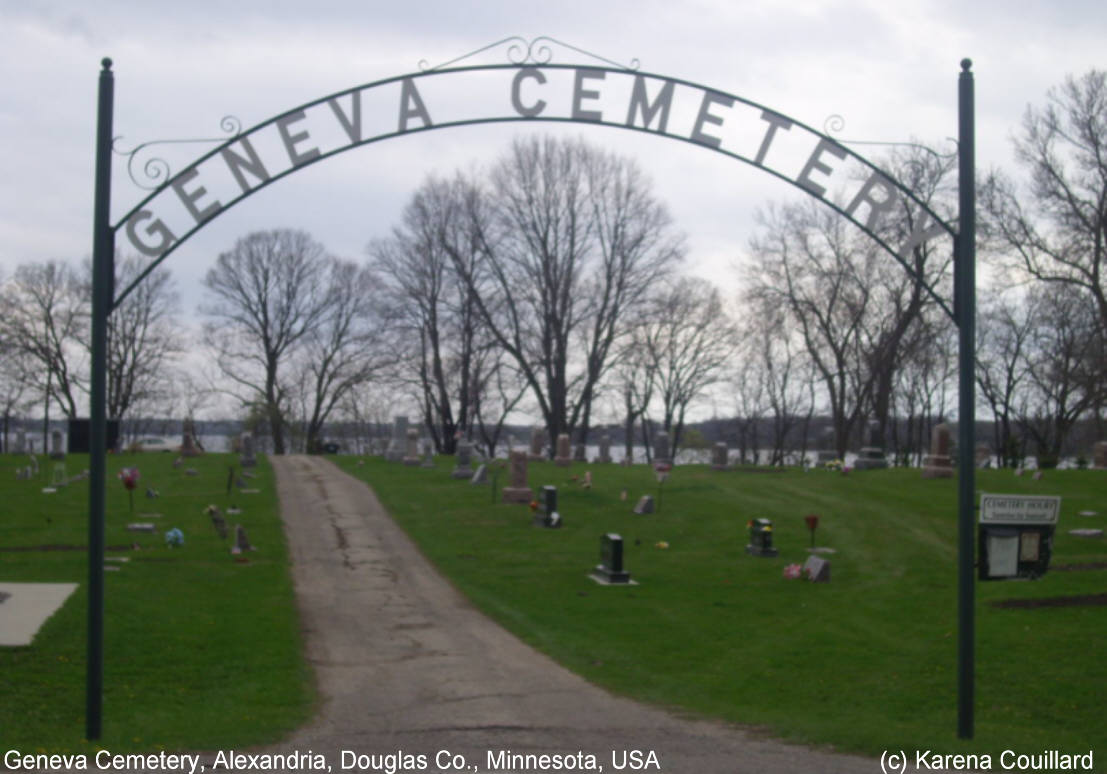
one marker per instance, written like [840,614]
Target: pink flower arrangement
[792,571]
[129,477]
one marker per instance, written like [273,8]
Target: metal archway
[529,89]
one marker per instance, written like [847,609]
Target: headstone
[248,457]
[537,444]
[548,516]
[34,464]
[817,569]
[871,456]
[141,527]
[1099,455]
[411,452]
[937,464]
[611,569]
[20,441]
[761,538]
[218,521]
[644,505]
[719,457]
[480,477]
[56,450]
[661,451]
[579,453]
[464,466]
[1087,532]
[60,476]
[562,460]
[605,448]
[428,454]
[399,439]
[586,482]
[518,491]
[241,542]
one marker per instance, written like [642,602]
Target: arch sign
[529,88]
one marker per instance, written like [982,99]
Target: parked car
[151,444]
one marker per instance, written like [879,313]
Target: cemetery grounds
[203,650]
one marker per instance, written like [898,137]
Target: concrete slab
[26,608]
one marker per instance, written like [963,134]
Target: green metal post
[103,270]
[965,296]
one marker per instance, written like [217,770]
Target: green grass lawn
[200,651]
[864,663]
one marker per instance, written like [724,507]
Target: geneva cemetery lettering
[430,100]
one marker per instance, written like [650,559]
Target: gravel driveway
[412,677]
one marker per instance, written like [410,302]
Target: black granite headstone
[610,568]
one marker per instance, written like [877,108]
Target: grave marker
[761,538]
[411,455]
[871,456]
[547,515]
[464,466]
[1099,455]
[537,444]
[937,464]
[518,491]
[248,457]
[817,569]
[399,438]
[241,542]
[605,448]
[719,456]
[562,460]
[610,570]
[661,451]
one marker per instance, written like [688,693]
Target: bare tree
[859,311]
[1064,367]
[267,294]
[632,380]
[785,374]
[143,340]
[571,239]
[689,340]
[45,320]
[1057,230]
[346,347]
[1004,331]
[804,264]
[443,333]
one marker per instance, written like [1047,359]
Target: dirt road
[405,664]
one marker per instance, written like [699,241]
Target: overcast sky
[888,68]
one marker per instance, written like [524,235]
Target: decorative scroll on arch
[530,88]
